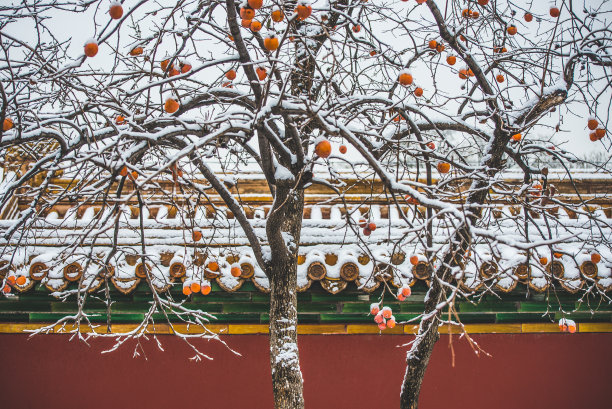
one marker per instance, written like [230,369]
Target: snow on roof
[331,252]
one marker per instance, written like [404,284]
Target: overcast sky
[573,132]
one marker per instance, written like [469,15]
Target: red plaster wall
[341,372]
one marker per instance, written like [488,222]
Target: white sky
[573,131]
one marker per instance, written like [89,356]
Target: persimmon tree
[433,98]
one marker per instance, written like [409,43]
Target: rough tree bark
[421,350]
[283,230]
[418,356]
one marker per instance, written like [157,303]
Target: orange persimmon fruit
[115,10]
[271,42]
[247,13]
[261,73]
[171,106]
[236,272]
[7,124]
[91,48]
[165,64]
[554,12]
[443,167]
[323,149]
[405,78]
[136,51]
[277,15]
[255,4]
[185,67]
[303,11]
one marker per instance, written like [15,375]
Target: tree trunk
[417,362]
[420,352]
[418,356]
[287,383]
[283,230]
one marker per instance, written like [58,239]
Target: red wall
[341,372]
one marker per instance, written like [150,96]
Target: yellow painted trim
[493,328]
[239,329]
[362,329]
[12,328]
[372,329]
[195,329]
[321,329]
[411,329]
[315,329]
[483,329]
[535,328]
[595,327]
[16,328]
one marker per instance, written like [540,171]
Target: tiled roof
[332,256]
[331,252]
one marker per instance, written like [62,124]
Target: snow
[282,173]
[287,355]
[319,237]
